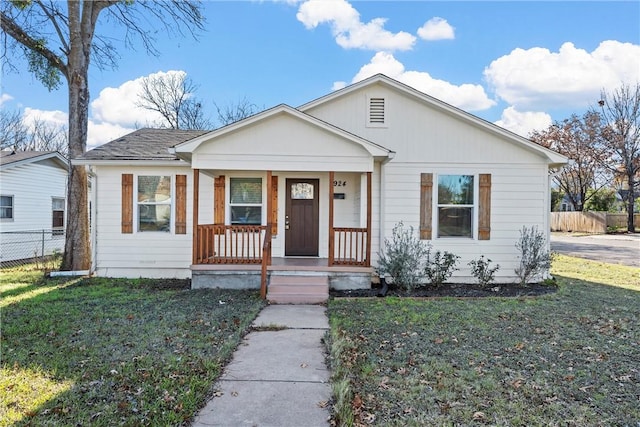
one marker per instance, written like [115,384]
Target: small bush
[481,270]
[535,258]
[439,268]
[402,258]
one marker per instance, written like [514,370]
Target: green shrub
[439,268]
[535,258]
[402,258]
[481,270]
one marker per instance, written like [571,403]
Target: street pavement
[611,248]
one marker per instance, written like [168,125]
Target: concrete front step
[298,289]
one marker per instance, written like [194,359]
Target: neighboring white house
[33,186]
[326,181]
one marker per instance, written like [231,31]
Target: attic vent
[376,110]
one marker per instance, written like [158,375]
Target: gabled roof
[141,145]
[10,159]
[555,159]
[374,149]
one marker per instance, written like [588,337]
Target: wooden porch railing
[229,244]
[350,247]
[266,261]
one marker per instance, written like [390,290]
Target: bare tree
[620,111]
[578,138]
[171,95]
[37,135]
[234,112]
[58,40]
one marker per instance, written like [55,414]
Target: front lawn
[568,358]
[113,352]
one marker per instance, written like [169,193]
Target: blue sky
[518,64]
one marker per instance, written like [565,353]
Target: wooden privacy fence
[589,222]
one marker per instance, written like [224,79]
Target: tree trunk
[77,252]
[631,204]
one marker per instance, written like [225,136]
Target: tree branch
[18,34]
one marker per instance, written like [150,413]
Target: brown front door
[302,218]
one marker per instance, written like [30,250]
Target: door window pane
[302,191]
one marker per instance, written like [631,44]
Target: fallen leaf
[303,365]
[479,416]
[438,340]
[234,393]
[357,402]
[322,404]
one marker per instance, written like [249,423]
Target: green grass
[106,352]
[568,358]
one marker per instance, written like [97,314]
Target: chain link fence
[19,248]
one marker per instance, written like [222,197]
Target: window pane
[246,190]
[6,201]
[455,189]
[302,190]
[251,215]
[154,189]
[6,213]
[58,204]
[454,222]
[154,217]
[58,219]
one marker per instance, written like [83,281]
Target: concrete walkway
[278,376]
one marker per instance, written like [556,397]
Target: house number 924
[339,183]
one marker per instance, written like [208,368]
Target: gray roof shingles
[143,144]
[8,157]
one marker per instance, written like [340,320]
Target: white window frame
[58,231]
[12,207]
[261,204]
[136,204]
[474,208]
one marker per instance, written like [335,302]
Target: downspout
[381,199]
[94,220]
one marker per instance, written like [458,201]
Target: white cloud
[350,32]
[4,98]
[101,133]
[469,97]
[338,85]
[523,123]
[118,105]
[55,118]
[436,29]
[539,78]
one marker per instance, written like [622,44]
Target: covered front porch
[304,233]
[281,185]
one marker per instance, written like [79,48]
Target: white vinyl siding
[148,254]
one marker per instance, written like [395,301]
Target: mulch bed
[466,290]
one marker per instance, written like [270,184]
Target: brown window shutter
[484,207]
[218,200]
[127,203]
[181,204]
[426,197]
[274,205]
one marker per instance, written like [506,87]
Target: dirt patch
[455,290]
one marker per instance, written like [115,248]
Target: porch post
[269,208]
[368,255]
[331,233]
[196,192]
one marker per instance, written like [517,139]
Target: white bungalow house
[315,190]
[33,187]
